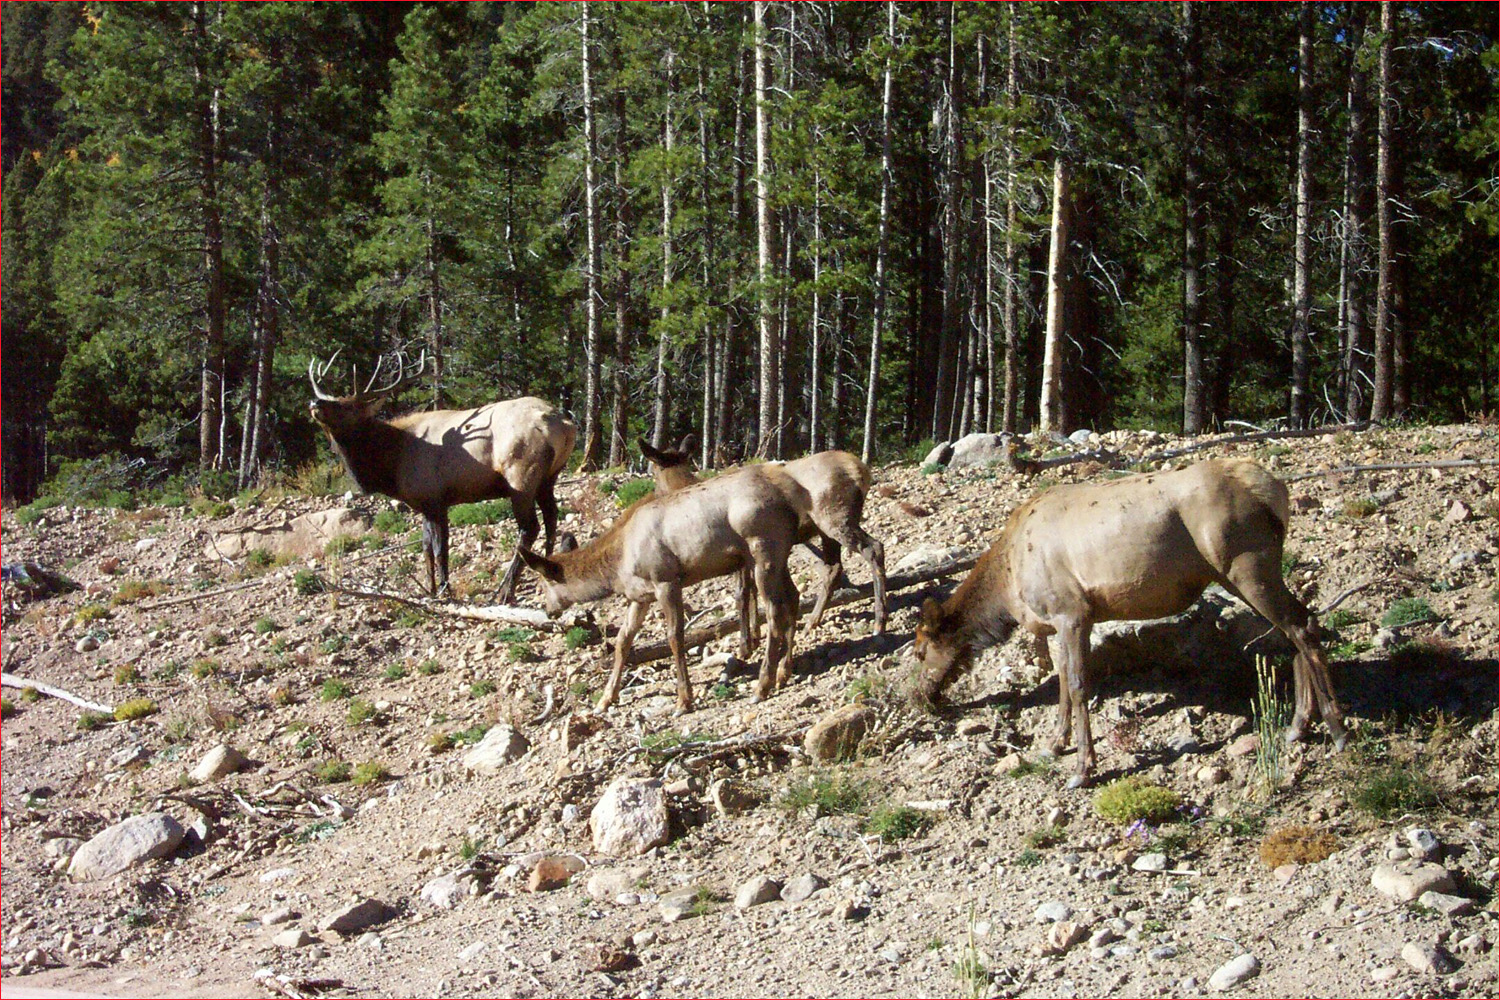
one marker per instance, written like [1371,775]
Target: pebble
[553,872]
[1451,906]
[447,891]
[1424,844]
[86,645]
[676,905]
[801,888]
[1244,746]
[280,915]
[222,761]
[1155,862]
[1052,912]
[610,883]
[1234,972]
[1429,959]
[1384,974]
[372,941]
[758,890]
[294,938]
[643,938]
[1407,883]
[1162,952]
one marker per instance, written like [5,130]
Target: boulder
[1234,972]
[939,455]
[500,746]
[357,916]
[758,890]
[447,891]
[1216,629]
[630,818]
[1407,881]
[302,536]
[222,761]
[838,734]
[126,844]
[978,450]
[553,872]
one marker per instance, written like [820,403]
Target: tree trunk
[877,324]
[1387,320]
[1301,300]
[620,386]
[815,428]
[1011,278]
[729,358]
[1356,333]
[434,305]
[769,376]
[951,349]
[1052,361]
[661,416]
[986,314]
[1193,401]
[708,442]
[593,395]
[267,325]
[212,386]
[833,435]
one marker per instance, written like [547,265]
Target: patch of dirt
[296,680]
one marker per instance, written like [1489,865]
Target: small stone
[499,747]
[801,888]
[371,940]
[447,891]
[294,938]
[643,939]
[1384,974]
[1101,937]
[472,952]
[1052,912]
[86,645]
[758,890]
[972,727]
[1451,906]
[1244,746]
[1212,775]
[838,734]
[1183,743]
[133,754]
[630,818]
[1424,844]
[609,884]
[1154,862]
[1234,972]
[1407,883]
[1458,512]
[1162,952]
[1285,873]
[280,915]
[357,916]
[222,761]
[1061,936]
[848,909]
[730,797]
[126,844]
[678,904]
[1429,959]
[553,872]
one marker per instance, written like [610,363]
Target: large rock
[128,843]
[1407,881]
[978,449]
[838,734]
[302,536]
[447,891]
[500,746]
[553,872]
[222,761]
[1429,959]
[1233,972]
[939,455]
[357,916]
[925,557]
[758,890]
[1214,630]
[630,818]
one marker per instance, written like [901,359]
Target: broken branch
[11,680]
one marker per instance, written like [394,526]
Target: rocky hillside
[301,791]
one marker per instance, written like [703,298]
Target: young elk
[431,461]
[1141,547]
[828,490]
[662,544]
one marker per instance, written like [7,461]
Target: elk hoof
[604,703]
[1078,781]
[1294,733]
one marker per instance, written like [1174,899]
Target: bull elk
[1140,547]
[827,490]
[433,460]
[662,544]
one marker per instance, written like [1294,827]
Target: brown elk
[431,461]
[828,490]
[662,544]
[1140,547]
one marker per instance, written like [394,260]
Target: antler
[321,371]
[405,372]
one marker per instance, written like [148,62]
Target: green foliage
[340,545]
[259,559]
[1129,799]
[513,633]
[1395,789]
[1027,768]
[360,712]
[126,673]
[369,772]
[265,624]
[135,708]
[1408,611]
[131,591]
[306,582]
[392,522]
[468,850]
[1360,508]
[519,652]
[333,689]
[205,668]
[470,736]
[87,613]
[1340,618]
[866,688]
[7,708]
[832,794]
[331,772]
[428,667]
[893,822]
[1045,836]
[634,490]
[469,515]
[89,721]
[481,689]
[394,671]
[1270,714]
[576,637]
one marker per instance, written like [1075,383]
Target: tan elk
[828,491]
[1140,547]
[433,460]
[662,544]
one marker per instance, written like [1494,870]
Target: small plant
[259,559]
[480,689]
[333,689]
[1029,858]
[409,618]
[866,688]
[1300,845]
[897,822]
[210,508]
[205,668]
[333,644]
[215,639]
[969,969]
[138,917]
[1340,618]
[428,667]
[340,545]
[331,772]
[1349,650]
[1130,799]
[633,490]
[519,652]
[576,637]
[134,590]
[703,902]
[29,695]
[370,772]
[8,707]
[126,673]
[1362,508]
[394,672]
[281,695]
[470,736]
[1029,767]
[834,794]
[468,850]
[1045,836]
[90,613]
[360,712]
[1270,714]
[720,691]
[135,708]
[439,742]
[265,625]
[1408,611]
[1289,562]
[1394,789]
[932,468]
[89,721]
[512,633]
[392,522]
[321,830]
[306,583]
[469,515]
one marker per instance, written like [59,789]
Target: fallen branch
[507,614]
[167,602]
[11,680]
[728,626]
[1162,456]
[1452,463]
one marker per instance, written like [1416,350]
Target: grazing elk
[828,491]
[662,544]
[1140,547]
[431,461]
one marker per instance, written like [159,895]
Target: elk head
[339,414]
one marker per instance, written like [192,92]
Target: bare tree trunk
[728,356]
[624,335]
[1193,401]
[815,429]
[1356,219]
[267,326]
[709,438]
[833,434]
[434,306]
[877,325]
[1387,320]
[769,376]
[212,387]
[593,396]
[987,325]
[1052,361]
[663,403]
[1301,301]
[1012,400]
[951,349]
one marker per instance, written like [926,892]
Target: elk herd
[1138,547]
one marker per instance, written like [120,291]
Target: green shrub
[306,582]
[126,673]
[32,512]
[519,652]
[212,509]
[1045,836]
[576,637]
[897,822]
[215,639]
[259,559]
[370,772]
[469,515]
[1339,618]
[8,707]
[513,633]
[333,644]
[1361,508]
[429,667]
[1130,799]
[90,613]
[932,468]
[633,490]
[470,736]
[360,712]
[265,625]
[1394,789]
[480,689]
[392,522]
[331,772]
[864,688]
[438,742]
[832,794]
[30,694]
[131,591]
[1408,611]
[333,689]
[394,672]
[205,668]
[136,708]
[90,721]
[340,545]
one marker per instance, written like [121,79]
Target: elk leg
[1064,702]
[767,584]
[833,568]
[525,513]
[853,537]
[635,613]
[745,598]
[442,552]
[669,599]
[546,500]
[429,533]
[1255,577]
[784,619]
[1073,681]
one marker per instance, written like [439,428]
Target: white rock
[447,891]
[674,906]
[221,761]
[630,818]
[280,915]
[1155,862]
[801,888]
[86,645]
[128,843]
[1428,959]
[978,449]
[500,746]
[758,890]
[294,938]
[1407,882]
[1049,913]
[1424,844]
[939,455]
[610,883]
[1452,906]
[1234,972]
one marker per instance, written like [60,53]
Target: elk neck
[977,613]
[371,451]
[589,572]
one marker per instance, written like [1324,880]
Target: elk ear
[686,444]
[566,542]
[650,453]
[543,567]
